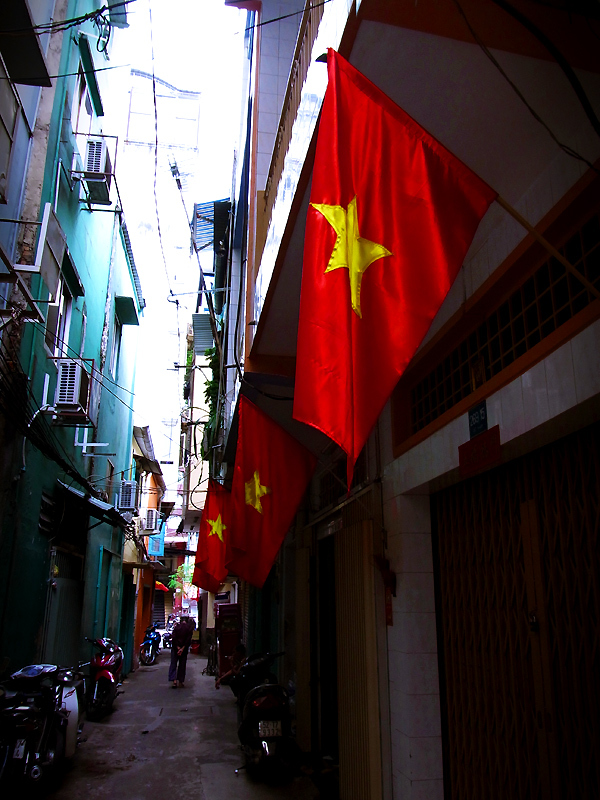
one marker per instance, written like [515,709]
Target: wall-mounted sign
[478,419]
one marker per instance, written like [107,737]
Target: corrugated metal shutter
[203,338]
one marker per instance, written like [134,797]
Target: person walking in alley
[180,644]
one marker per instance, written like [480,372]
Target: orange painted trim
[529,359]
[557,226]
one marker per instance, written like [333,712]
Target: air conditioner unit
[72,389]
[127,495]
[97,171]
[152,520]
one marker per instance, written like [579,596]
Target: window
[115,347]
[82,114]
[110,480]
[58,321]
[543,302]
[9,107]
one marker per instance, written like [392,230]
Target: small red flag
[392,214]
[271,473]
[210,569]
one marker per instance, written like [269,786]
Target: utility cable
[162,248]
[65,24]
[68,74]
[565,148]
[77,357]
[285,16]
[558,57]
[202,283]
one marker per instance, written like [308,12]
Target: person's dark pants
[178,664]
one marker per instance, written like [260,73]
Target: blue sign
[156,543]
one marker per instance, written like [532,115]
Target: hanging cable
[160,239]
[565,148]
[558,57]
[66,24]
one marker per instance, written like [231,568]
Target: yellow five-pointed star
[217,527]
[254,490]
[350,249]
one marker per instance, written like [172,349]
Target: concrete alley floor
[165,742]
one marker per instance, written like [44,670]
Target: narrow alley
[161,741]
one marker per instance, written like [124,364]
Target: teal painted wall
[97,250]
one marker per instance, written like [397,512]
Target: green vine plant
[211,397]
[182,577]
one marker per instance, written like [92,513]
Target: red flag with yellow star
[210,569]
[271,473]
[392,214]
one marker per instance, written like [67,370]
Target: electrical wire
[68,74]
[18,404]
[565,148]
[160,239]
[66,24]
[285,16]
[558,57]
[76,357]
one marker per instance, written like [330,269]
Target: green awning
[71,275]
[126,311]
[90,74]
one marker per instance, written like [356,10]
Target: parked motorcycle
[265,727]
[42,708]
[150,646]
[106,669]
[167,639]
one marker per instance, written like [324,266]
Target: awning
[126,310]
[97,508]
[90,75]
[157,566]
[22,54]
[203,337]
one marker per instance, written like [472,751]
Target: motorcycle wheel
[101,702]
[147,656]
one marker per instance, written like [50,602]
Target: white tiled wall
[563,380]
[567,377]
[278,40]
[412,652]
[499,234]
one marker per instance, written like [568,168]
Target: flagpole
[546,244]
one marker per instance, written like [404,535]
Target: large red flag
[210,569]
[391,217]
[271,473]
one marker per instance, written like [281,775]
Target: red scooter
[106,668]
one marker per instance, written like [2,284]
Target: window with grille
[545,301]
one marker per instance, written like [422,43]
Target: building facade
[440,620]
[72,304]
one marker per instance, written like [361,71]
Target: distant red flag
[210,569]
[391,217]
[271,473]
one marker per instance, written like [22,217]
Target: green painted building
[72,301]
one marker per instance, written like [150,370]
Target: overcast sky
[197,46]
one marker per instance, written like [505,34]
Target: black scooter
[41,716]
[264,711]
